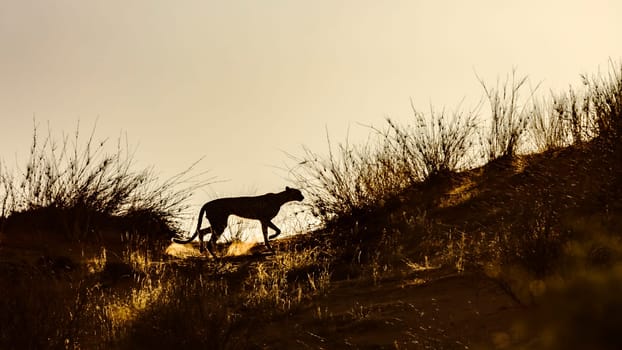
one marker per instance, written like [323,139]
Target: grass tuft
[508,120]
[76,187]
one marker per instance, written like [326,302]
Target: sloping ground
[411,307]
[460,262]
[451,312]
[503,235]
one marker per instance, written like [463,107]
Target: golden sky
[240,82]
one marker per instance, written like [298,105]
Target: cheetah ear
[287,188]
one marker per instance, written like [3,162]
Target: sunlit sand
[182,250]
[240,248]
[236,248]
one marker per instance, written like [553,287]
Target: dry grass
[605,101]
[119,304]
[76,187]
[354,181]
[508,117]
[351,180]
[435,144]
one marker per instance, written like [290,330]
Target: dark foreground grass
[149,301]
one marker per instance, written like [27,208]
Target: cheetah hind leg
[210,243]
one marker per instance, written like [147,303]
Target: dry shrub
[350,181]
[76,185]
[549,127]
[508,118]
[605,101]
[579,116]
[434,144]
[353,181]
[564,120]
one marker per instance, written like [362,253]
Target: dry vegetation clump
[354,182]
[351,180]
[77,188]
[560,122]
[605,100]
[508,117]
[436,144]
[576,117]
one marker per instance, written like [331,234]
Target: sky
[243,83]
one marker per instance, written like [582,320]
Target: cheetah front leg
[276,229]
[264,230]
